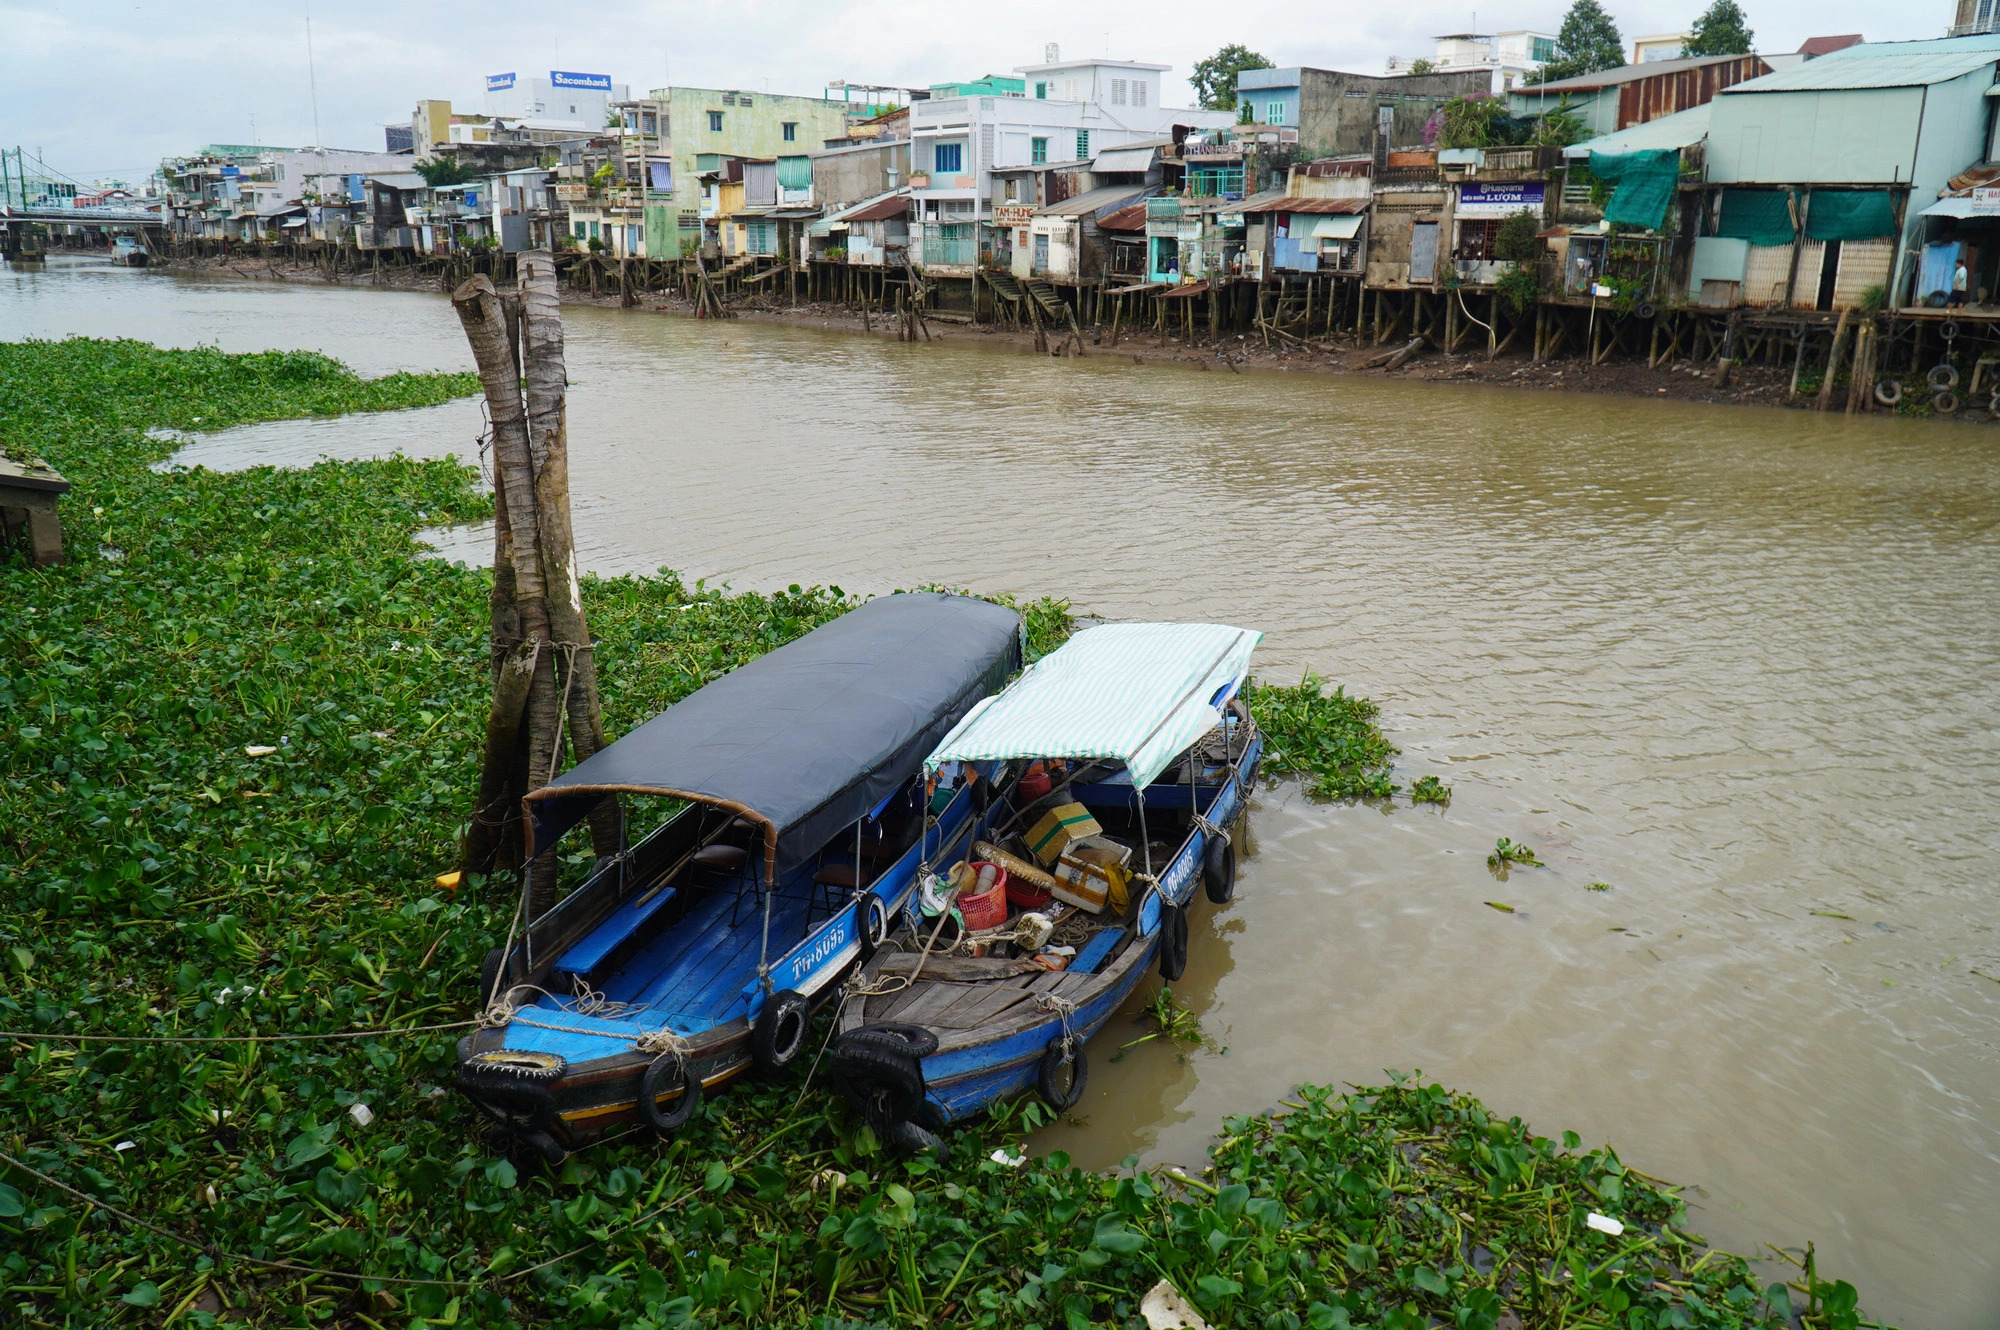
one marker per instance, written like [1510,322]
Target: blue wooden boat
[1162,753]
[701,951]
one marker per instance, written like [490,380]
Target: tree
[1588,41]
[443,171]
[1421,66]
[1214,78]
[1721,30]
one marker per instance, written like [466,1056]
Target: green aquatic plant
[1511,852]
[231,761]
[1330,740]
[1171,1018]
[1430,790]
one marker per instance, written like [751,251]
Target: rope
[1064,1008]
[662,1040]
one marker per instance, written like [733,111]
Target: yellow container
[1057,828]
[1092,874]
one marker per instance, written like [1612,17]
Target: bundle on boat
[1119,763]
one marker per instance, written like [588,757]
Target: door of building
[1041,254]
[1423,252]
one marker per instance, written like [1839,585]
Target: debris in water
[1511,852]
[259,750]
[1501,906]
[1604,1224]
[1165,1309]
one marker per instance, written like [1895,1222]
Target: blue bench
[1095,951]
[588,954]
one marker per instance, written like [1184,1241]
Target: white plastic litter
[123,1146]
[1001,1156]
[362,1114]
[259,750]
[1165,1309]
[1604,1224]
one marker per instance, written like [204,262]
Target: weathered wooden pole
[548,445]
[480,313]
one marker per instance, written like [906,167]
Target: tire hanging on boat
[1173,941]
[668,1072]
[1064,1055]
[780,1031]
[895,1036]
[489,975]
[875,926]
[885,1084]
[1218,870]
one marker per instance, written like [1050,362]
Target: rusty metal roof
[1125,219]
[879,211]
[1276,201]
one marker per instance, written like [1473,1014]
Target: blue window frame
[1038,150]
[1082,144]
[715,122]
[948,158]
[791,131]
[1274,113]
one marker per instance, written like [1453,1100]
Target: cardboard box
[1092,874]
[1051,835]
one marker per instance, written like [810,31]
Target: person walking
[1958,279]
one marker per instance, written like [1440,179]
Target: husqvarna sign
[563,78]
[499,82]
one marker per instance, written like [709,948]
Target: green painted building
[989,85]
[713,123]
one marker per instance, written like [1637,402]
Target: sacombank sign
[563,78]
[499,82]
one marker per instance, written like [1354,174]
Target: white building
[565,99]
[1660,46]
[1072,110]
[1510,56]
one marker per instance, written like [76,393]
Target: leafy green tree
[1721,30]
[1468,122]
[443,171]
[1422,67]
[1214,78]
[1588,41]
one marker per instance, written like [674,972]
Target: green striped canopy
[1137,693]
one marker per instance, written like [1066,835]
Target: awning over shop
[1135,693]
[1326,228]
[1955,207]
[1126,159]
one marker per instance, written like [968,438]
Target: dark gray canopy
[812,736]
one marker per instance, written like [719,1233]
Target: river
[1738,663]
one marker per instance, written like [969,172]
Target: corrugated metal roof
[1670,131]
[1879,65]
[1125,219]
[1611,78]
[881,210]
[1126,159]
[1106,196]
[1278,201]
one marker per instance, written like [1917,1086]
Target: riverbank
[166,879]
[1679,380]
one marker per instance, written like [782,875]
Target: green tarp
[1760,216]
[1645,183]
[1850,214]
[795,173]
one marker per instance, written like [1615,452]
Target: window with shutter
[1118,87]
[1082,144]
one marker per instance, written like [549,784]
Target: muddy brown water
[1738,663]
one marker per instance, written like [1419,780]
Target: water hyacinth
[149,866]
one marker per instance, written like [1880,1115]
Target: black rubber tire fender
[1942,377]
[544,1148]
[517,1100]
[910,1040]
[1646,309]
[910,1138]
[1945,403]
[489,975]
[668,1072]
[1949,331]
[780,1032]
[874,926]
[1063,1052]
[1889,391]
[1173,941]
[1218,870]
[885,1087]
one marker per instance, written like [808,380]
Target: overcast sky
[108,89]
